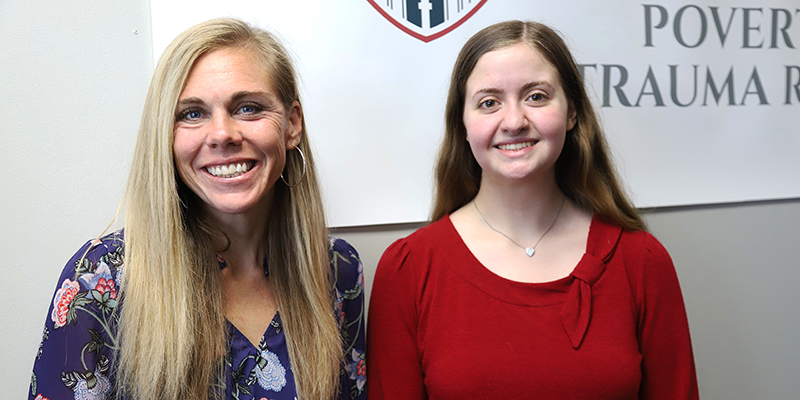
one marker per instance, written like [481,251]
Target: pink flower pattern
[77,344]
[357,368]
[63,297]
[104,286]
[101,280]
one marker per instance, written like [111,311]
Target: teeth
[230,171]
[515,146]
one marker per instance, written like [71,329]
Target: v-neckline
[276,320]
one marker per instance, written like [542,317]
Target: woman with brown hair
[536,278]
[224,283]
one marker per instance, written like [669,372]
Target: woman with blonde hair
[224,283]
[536,277]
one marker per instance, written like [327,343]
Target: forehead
[235,68]
[519,63]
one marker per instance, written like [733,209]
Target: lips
[231,170]
[516,146]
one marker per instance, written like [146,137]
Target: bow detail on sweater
[577,311]
[578,308]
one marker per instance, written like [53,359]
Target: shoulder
[658,268]
[348,286]
[413,258]
[79,334]
[649,266]
[340,246]
[421,243]
[635,248]
[643,247]
[97,265]
[341,251]
[348,272]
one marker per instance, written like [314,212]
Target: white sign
[700,100]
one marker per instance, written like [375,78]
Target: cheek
[270,135]
[479,130]
[553,125]
[479,147]
[477,144]
[184,150]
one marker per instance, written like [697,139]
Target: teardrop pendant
[529,251]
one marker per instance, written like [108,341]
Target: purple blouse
[75,357]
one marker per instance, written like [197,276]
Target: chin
[520,174]
[233,207]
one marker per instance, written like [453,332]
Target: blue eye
[191,114]
[250,108]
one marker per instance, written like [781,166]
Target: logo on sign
[427,20]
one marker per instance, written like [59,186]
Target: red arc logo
[427,20]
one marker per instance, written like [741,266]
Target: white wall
[73,76]
[72,84]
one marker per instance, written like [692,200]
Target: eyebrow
[525,88]
[236,96]
[190,100]
[244,93]
[531,85]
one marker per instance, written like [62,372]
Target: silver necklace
[528,250]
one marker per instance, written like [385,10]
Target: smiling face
[516,114]
[232,132]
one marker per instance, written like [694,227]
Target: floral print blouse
[75,357]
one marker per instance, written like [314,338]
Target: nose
[223,131]
[514,120]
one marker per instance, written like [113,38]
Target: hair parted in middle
[584,171]
[172,330]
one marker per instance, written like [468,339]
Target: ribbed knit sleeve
[668,370]
[394,370]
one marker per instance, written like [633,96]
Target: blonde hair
[172,331]
[584,171]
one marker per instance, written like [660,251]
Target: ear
[572,118]
[295,125]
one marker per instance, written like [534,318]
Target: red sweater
[442,326]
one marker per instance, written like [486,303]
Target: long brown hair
[172,331]
[584,171]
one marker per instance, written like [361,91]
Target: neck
[246,233]
[521,209]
